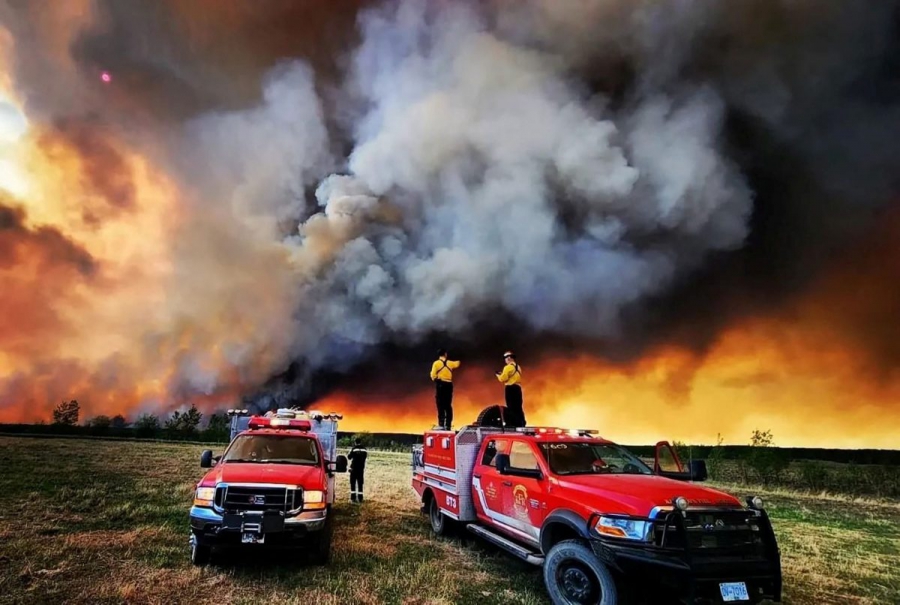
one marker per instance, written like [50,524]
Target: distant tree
[365,438]
[714,464]
[147,425]
[682,450]
[762,438]
[118,422]
[100,422]
[66,413]
[764,459]
[218,428]
[184,422]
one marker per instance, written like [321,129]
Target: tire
[201,554]
[491,416]
[321,551]
[441,524]
[573,575]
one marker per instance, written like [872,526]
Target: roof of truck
[552,433]
[280,432]
[565,437]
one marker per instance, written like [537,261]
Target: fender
[573,522]
[427,496]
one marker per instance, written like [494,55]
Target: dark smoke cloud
[554,176]
[168,59]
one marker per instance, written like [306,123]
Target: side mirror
[502,463]
[206,459]
[340,465]
[698,470]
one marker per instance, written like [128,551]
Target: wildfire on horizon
[185,233]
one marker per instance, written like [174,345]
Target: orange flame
[765,374]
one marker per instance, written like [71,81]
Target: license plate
[734,591]
[251,538]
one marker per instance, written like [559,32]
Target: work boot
[360,496]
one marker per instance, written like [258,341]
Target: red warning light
[106,77]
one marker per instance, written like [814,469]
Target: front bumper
[211,527]
[693,575]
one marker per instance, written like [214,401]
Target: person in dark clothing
[511,378]
[357,457]
[442,376]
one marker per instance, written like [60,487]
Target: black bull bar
[691,552]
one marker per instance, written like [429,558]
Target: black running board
[507,545]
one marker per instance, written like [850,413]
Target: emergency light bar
[304,414]
[268,422]
[236,412]
[551,430]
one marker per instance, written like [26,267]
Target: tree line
[179,425]
[759,460]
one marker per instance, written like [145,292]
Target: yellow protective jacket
[443,370]
[511,374]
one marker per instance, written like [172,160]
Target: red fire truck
[274,485]
[602,522]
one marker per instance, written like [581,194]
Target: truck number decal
[451,501]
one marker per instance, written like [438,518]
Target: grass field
[106,522]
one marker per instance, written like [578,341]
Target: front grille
[241,498]
[736,531]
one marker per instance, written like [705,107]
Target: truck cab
[601,521]
[273,486]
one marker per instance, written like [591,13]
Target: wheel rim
[578,583]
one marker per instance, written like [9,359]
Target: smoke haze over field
[656,203]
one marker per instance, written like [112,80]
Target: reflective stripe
[441,479]
[444,487]
[441,471]
[527,529]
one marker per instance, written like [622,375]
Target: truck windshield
[273,449]
[573,458]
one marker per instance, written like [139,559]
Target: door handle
[507,483]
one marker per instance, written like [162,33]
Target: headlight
[755,502]
[204,496]
[617,527]
[313,499]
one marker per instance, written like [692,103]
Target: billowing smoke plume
[481,180]
[345,183]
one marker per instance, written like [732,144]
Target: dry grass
[106,522]
[835,548]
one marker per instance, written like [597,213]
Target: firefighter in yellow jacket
[511,378]
[442,376]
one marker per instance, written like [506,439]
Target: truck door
[486,481]
[524,498]
[666,459]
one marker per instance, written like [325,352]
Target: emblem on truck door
[520,499]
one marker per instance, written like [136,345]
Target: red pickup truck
[273,486]
[605,525]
